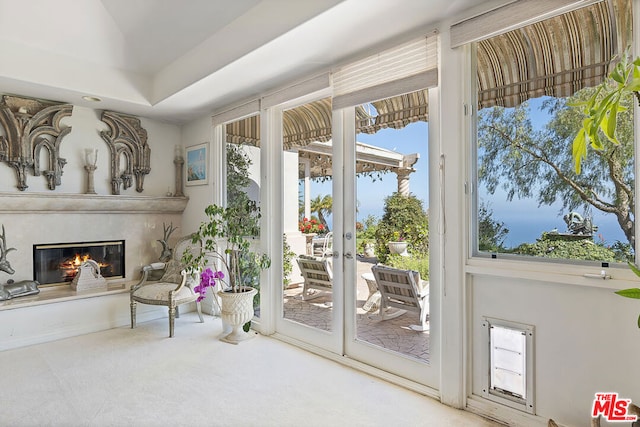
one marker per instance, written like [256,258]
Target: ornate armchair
[173,289]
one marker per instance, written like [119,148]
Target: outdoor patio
[393,334]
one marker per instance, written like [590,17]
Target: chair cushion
[159,291]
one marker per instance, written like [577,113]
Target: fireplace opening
[57,264]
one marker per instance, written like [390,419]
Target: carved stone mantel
[75,203]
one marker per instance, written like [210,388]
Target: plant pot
[368,250]
[237,309]
[399,248]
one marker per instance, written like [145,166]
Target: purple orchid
[207,279]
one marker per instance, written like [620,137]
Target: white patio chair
[404,290]
[317,275]
[326,250]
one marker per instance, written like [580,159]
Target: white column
[307,187]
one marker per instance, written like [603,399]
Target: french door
[334,181]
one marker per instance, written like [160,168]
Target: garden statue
[579,225]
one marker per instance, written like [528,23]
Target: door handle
[348,255]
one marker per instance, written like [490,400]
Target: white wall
[586,341]
[200,196]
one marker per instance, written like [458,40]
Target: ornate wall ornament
[31,125]
[127,141]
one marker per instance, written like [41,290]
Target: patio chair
[317,275]
[404,290]
[172,290]
[326,250]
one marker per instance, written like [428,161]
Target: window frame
[575,272]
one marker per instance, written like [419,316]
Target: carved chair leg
[133,314]
[172,317]
[177,311]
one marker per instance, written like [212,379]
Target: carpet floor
[140,377]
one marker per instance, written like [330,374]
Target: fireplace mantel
[78,203]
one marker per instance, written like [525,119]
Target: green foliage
[527,162]
[366,232]
[238,163]
[403,218]
[224,237]
[491,233]
[322,205]
[287,257]
[550,246]
[632,292]
[602,108]
[416,263]
[227,233]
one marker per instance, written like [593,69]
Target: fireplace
[57,264]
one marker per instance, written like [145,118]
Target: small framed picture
[197,168]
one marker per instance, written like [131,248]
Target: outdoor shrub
[419,264]
[404,219]
[287,264]
[549,246]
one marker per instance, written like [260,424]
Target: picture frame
[197,164]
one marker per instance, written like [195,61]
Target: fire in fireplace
[57,264]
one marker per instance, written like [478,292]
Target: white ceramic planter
[236,310]
[399,248]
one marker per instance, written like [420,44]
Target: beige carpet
[139,377]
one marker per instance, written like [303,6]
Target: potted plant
[601,109]
[601,114]
[398,245]
[227,237]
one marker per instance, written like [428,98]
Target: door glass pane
[243,186]
[392,225]
[307,198]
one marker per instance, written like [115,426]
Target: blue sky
[411,139]
[523,217]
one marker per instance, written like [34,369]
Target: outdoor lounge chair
[402,289]
[317,275]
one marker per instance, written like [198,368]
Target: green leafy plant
[403,217]
[287,261]
[601,109]
[224,238]
[631,292]
[228,232]
[415,263]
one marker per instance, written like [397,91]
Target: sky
[517,215]
[370,194]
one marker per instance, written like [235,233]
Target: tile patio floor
[393,334]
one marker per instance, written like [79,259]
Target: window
[529,199]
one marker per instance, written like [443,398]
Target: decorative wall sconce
[91,161]
[126,140]
[31,125]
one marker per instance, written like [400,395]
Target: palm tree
[322,206]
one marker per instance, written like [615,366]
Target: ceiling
[176,60]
